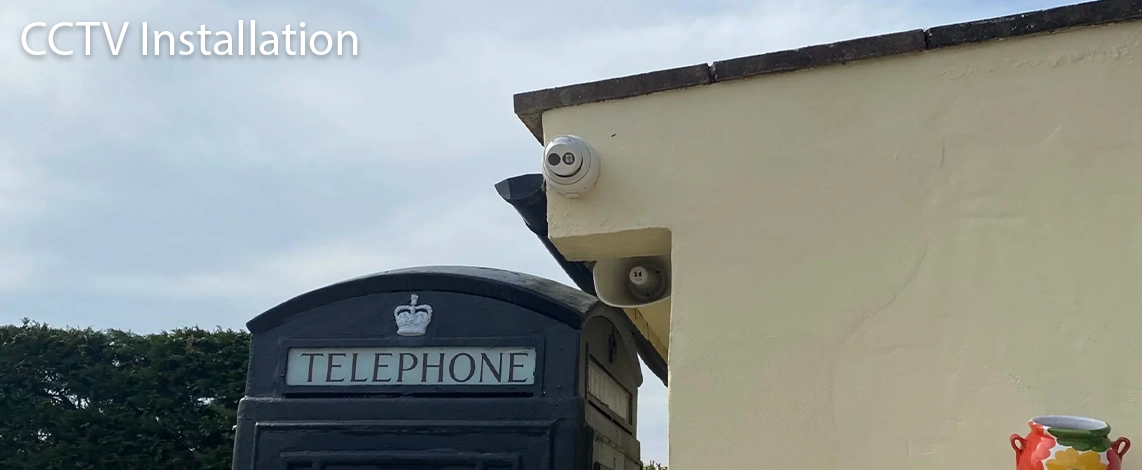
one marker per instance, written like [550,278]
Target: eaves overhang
[526,194]
[530,106]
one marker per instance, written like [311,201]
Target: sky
[152,193]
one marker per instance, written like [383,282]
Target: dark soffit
[526,194]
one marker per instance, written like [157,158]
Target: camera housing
[570,165]
[632,282]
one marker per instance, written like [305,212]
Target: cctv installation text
[65,38]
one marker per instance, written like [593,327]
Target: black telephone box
[441,369]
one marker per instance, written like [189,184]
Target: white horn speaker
[632,282]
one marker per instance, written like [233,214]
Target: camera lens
[553,159]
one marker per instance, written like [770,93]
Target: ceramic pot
[1068,443]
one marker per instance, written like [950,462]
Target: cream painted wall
[891,264]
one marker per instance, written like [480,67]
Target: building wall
[890,264]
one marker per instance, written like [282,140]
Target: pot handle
[1120,446]
[1019,444]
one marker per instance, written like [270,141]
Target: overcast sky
[155,193]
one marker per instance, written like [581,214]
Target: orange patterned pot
[1068,443]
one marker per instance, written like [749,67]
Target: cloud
[412,235]
[17,271]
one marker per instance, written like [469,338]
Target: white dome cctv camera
[570,166]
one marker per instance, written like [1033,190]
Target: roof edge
[530,106]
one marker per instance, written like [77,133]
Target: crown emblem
[412,319]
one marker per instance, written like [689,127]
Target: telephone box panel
[439,369]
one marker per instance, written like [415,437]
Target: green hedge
[84,399]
